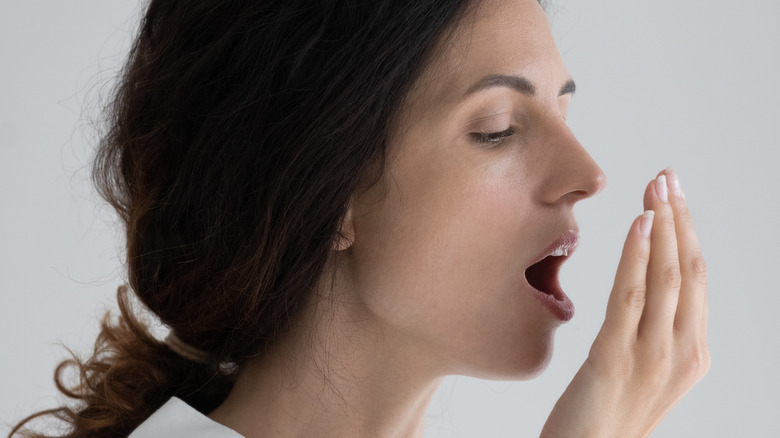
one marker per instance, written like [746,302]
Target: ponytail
[129,375]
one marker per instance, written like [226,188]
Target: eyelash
[492,138]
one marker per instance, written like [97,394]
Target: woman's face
[442,243]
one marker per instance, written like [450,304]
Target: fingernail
[660,188]
[674,181]
[647,223]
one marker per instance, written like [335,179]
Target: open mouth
[543,276]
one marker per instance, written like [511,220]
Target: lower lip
[558,303]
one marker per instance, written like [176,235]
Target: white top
[177,419]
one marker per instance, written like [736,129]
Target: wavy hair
[235,137]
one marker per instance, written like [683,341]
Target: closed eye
[492,137]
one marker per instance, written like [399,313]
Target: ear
[346,233]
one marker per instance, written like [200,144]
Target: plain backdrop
[687,84]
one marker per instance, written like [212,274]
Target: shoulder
[177,419]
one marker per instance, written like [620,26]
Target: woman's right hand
[652,347]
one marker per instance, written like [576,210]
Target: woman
[334,206]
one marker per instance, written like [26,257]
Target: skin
[428,280]
[652,347]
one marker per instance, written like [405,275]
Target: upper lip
[568,240]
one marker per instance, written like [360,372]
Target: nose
[571,174]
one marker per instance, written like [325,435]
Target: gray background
[660,83]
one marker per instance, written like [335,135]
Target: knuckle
[699,269]
[635,296]
[698,362]
[662,359]
[671,276]
[658,356]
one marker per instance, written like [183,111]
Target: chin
[521,364]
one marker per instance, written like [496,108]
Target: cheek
[443,253]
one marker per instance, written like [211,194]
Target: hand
[652,347]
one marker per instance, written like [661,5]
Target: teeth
[560,252]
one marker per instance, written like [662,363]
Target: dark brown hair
[237,134]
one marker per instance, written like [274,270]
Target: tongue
[540,275]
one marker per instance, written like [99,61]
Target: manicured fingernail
[660,188]
[682,194]
[647,223]
[674,181]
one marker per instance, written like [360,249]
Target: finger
[627,299]
[663,271]
[693,292]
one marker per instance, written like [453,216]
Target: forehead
[511,37]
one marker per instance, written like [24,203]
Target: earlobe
[346,236]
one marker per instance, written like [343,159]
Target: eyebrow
[517,83]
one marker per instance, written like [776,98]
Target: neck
[352,380]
